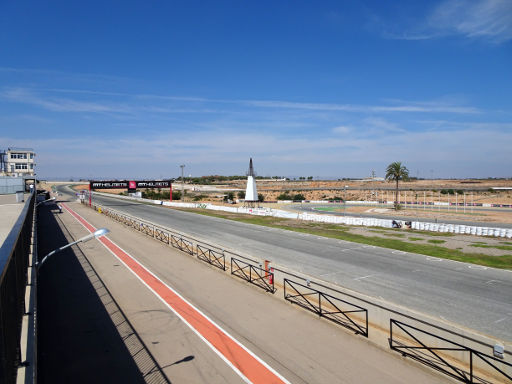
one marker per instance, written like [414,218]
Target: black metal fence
[14,260]
[253,274]
[442,354]
[213,257]
[330,307]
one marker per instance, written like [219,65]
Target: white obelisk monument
[251,194]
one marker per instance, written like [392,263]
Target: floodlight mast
[97,234]
[45,201]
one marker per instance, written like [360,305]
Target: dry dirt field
[475,191]
[464,243]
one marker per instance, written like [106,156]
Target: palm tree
[396,171]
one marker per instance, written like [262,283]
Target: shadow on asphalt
[82,333]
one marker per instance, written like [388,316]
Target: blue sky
[131,89]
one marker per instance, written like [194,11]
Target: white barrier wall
[348,220]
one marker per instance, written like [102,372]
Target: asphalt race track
[473,296]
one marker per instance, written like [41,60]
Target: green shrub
[299,197]
[284,196]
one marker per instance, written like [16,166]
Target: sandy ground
[479,215]
[475,191]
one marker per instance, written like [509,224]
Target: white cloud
[26,96]
[343,129]
[486,20]
[467,152]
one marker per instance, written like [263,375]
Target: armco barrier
[382,312]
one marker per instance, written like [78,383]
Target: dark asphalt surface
[473,296]
[77,340]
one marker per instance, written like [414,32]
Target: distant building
[17,162]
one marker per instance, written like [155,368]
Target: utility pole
[182,184]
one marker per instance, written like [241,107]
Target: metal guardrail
[409,343]
[253,274]
[14,260]
[327,306]
[215,258]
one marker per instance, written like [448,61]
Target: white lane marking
[500,320]
[330,273]
[492,281]
[481,267]
[397,252]
[363,277]
[431,258]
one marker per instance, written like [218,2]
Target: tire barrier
[463,229]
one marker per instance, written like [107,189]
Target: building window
[18,155]
[31,155]
[21,166]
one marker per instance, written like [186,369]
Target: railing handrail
[14,262]
[460,347]
[330,299]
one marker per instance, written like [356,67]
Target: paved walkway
[299,347]
[80,327]
[9,212]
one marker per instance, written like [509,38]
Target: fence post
[471,366]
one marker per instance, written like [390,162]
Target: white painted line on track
[363,277]
[481,267]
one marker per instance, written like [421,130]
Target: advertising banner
[123,184]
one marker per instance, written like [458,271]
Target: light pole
[345,201]
[182,183]
[100,232]
[45,201]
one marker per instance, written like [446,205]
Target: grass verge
[342,233]
[502,247]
